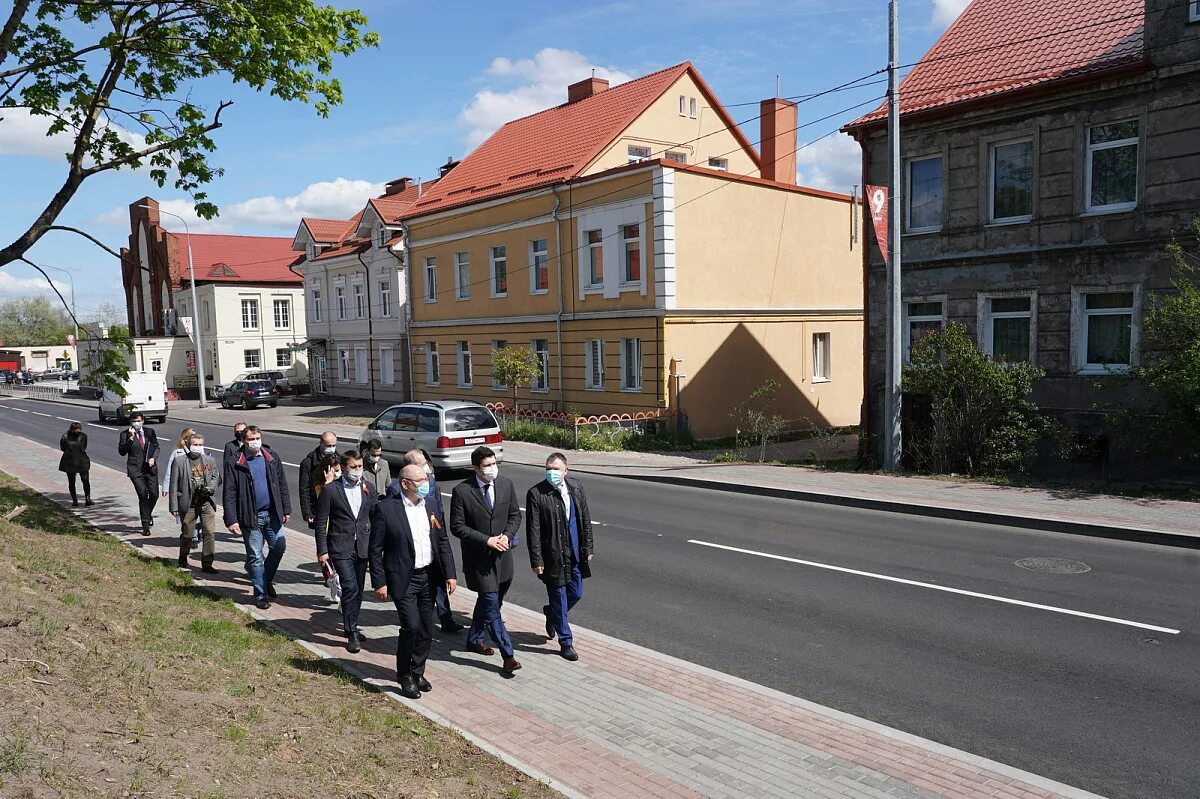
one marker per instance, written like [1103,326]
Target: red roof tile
[325,231]
[1000,46]
[390,207]
[237,259]
[348,247]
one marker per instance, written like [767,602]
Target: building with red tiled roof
[1049,155]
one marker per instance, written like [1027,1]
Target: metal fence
[33,391]
[646,422]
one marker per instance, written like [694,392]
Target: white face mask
[490,472]
[137,426]
[254,444]
[354,475]
[337,475]
[330,450]
[196,449]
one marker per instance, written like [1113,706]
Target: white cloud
[23,133]
[833,164]
[946,11]
[543,82]
[13,287]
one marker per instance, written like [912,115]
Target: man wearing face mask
[232,447]
[195,485]
[485,517]
[309,466]
[418,457]
[139,445]
[256,506]
[376,470]
[558,528]
[343,533]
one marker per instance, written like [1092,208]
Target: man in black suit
[485,517]
[418,457]
[310,465]
[139,445]
[343,532]
[233,447]
[408,556]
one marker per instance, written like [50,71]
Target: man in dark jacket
[139,445]
[256,507]
[233,447]
[408,554]
[485,516]
[558,529]
[307,490]
[343,533]
[195,486]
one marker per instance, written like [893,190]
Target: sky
[444,77]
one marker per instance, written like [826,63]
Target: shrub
[757,425]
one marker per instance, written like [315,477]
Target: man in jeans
[257,506]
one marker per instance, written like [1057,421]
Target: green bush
[605,439]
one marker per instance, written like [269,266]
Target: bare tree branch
[166,145]
[61,298]
[87,236]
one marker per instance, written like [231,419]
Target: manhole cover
[1054,565]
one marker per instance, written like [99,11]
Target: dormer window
[382,236]
[310,251]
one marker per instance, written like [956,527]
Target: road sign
[187,325]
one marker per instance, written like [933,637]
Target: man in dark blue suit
[419,457]
[409,556]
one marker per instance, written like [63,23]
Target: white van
[145,391]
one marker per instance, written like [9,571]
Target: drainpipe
[370,324]
[562,391]
[406,265]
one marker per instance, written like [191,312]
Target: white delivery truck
[144,391]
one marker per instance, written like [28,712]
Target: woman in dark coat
[75,461]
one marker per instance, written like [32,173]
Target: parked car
[276,377]
[249,394]
[449,430]
[8,376]
[53,373]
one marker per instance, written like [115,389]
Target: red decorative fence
[642,421]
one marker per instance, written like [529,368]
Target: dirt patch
[350,421]
[120,677]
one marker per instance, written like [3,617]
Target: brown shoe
[487,651]
[510,665]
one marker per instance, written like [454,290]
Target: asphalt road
[926,625]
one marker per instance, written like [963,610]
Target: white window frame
[991,181]
[362,376]
[593,378]
[385,297]
[588,284]
[541,348]
[908,187]
[822,352]
[719,164]
[682,105]
[360,300]
[636,385]
[316,304]
[206,312]
[1079,328]
[249,310]
[637,153]
[284,303]
[623,252]
[343,365]
[985,316]
[156,365]
[465,365]
[534,252]
[431,291]
[433,364]
[382,234]
[387,366]
[462,268]
[1194,11]
[290,357]
[1091,149]
[908,320]
[693,107]
[497,345]
[257,358]
[678,156]
[340,294]
[493,260]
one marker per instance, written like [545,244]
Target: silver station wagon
[449,430]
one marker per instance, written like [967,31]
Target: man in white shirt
[343,532]
[409,556]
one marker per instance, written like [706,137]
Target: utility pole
[892,444]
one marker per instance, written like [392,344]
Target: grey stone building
[1051,148]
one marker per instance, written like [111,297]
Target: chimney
[777,142]
[588,87]
[396,186]
[446,167]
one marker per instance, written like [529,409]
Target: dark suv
[250,394]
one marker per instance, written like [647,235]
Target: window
[249,314]
[541,349]
[465,372]
[1011,176]
[340,293]
[207,314]
[362,367]
[283,357]
[387,366]
[594,364]
[924,199]
[721,164]
[682,106]
[1006,325]
[385,297]
[820,344]
[638,154]
[343,366]
[677,156]
[920,318]
[386,420]
[462,276]
[433,366]
[253,359]
[499,271]
[1106,331]
[431,291]
[283,314]
[539,267]
[631,257]
[692,107]
[382,235]
[1194,11]
[1110,175]
[631,364]
[316,297]
[429,420]
[498,345]
[360,303]
[156,365]
[595,259]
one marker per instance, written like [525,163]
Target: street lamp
[195,304]
[74,312]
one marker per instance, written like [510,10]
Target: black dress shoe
[263,604]
[408,687]
[452,626]
[271,590]
[89,502]
[145,531]
[423,684]
[183,561]
[352,643]
[549,624]
[568,653]
[207,567]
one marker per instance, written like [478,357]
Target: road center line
[946,589]
[37,413]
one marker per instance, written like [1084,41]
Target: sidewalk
[1157,521]
[623,722]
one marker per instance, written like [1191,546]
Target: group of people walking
[364,521]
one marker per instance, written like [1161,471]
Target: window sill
[593,289]
[499,296]
[432,385]
[1016,220]
[429,301]
[465,385]
[462,299]
[626,287]
[539,391]
[921,231]
[821,380]
[594,388]
[504,389]
[1108,211]
[1093,370]
[533,292]
[637,390]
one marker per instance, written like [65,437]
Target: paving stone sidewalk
[623,722]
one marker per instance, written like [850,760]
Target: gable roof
[391,207]
[556,144]
[236,259]
[997,47]
[326,231]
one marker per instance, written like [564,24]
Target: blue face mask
[554,477]
[423,490]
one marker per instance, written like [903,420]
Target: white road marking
[101,426]
[64,419]
[48,416]
[21,410]
[947,589]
